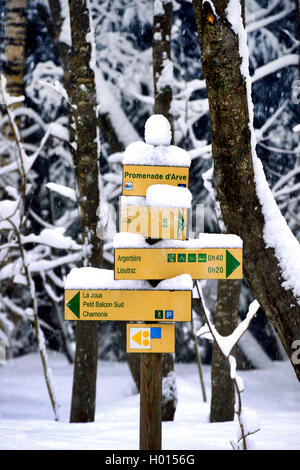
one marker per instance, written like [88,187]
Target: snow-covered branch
[226,344]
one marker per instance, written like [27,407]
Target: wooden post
[150,401]
[198,359]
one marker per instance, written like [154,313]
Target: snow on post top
[156,150]
[158,130]
[164,195]
[140,153]
[205,240]
[103,279]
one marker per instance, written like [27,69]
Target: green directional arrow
[74,304]
[231,263]
[180,225]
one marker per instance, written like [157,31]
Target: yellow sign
[155,222]
[126,305]
[137,178]
[150,338]
[165,263]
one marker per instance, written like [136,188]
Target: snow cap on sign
[205,240]
[140,153]
[96,278]
[158,130]
[164,195]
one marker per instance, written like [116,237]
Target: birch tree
[15,37]
[14,61]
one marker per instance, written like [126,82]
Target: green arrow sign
[74,305]
[164,263]
[231,263]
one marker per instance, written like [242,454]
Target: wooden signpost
[128,305]
[150,338]
[155,222]
[156,264]
[137,178]
[164,263]
[158,309]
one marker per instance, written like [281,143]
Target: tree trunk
[13,69]
[162,65]
[150,401]
[15,38]
[226,320]
[297,4]
[82,95]
[232,149]
[54,25]
[222,393]
[162,80]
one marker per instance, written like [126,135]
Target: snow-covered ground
[26,419]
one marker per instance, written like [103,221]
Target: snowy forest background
[50,238]
[123,34]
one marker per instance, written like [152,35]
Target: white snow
[288,60]
[59,131]
[181,282]
[9,210]
[169,390]
[54,238]
[277,234]
[129,240]
[205,240]
[165,195]
[250,422]
[13,192]
[296,128]
[240,383]
[158,130]
[141,153]
[132,201]
[111,106]
[26,417]
[158,8]
[65,34]
[166,76]
[5,97]
[57,87]
[97,278]
[232,363]
[254,351]
[227,343]
[63,190]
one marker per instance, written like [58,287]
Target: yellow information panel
[155,222]
[137,178]
[126,305]
[150,338]
[164,263]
